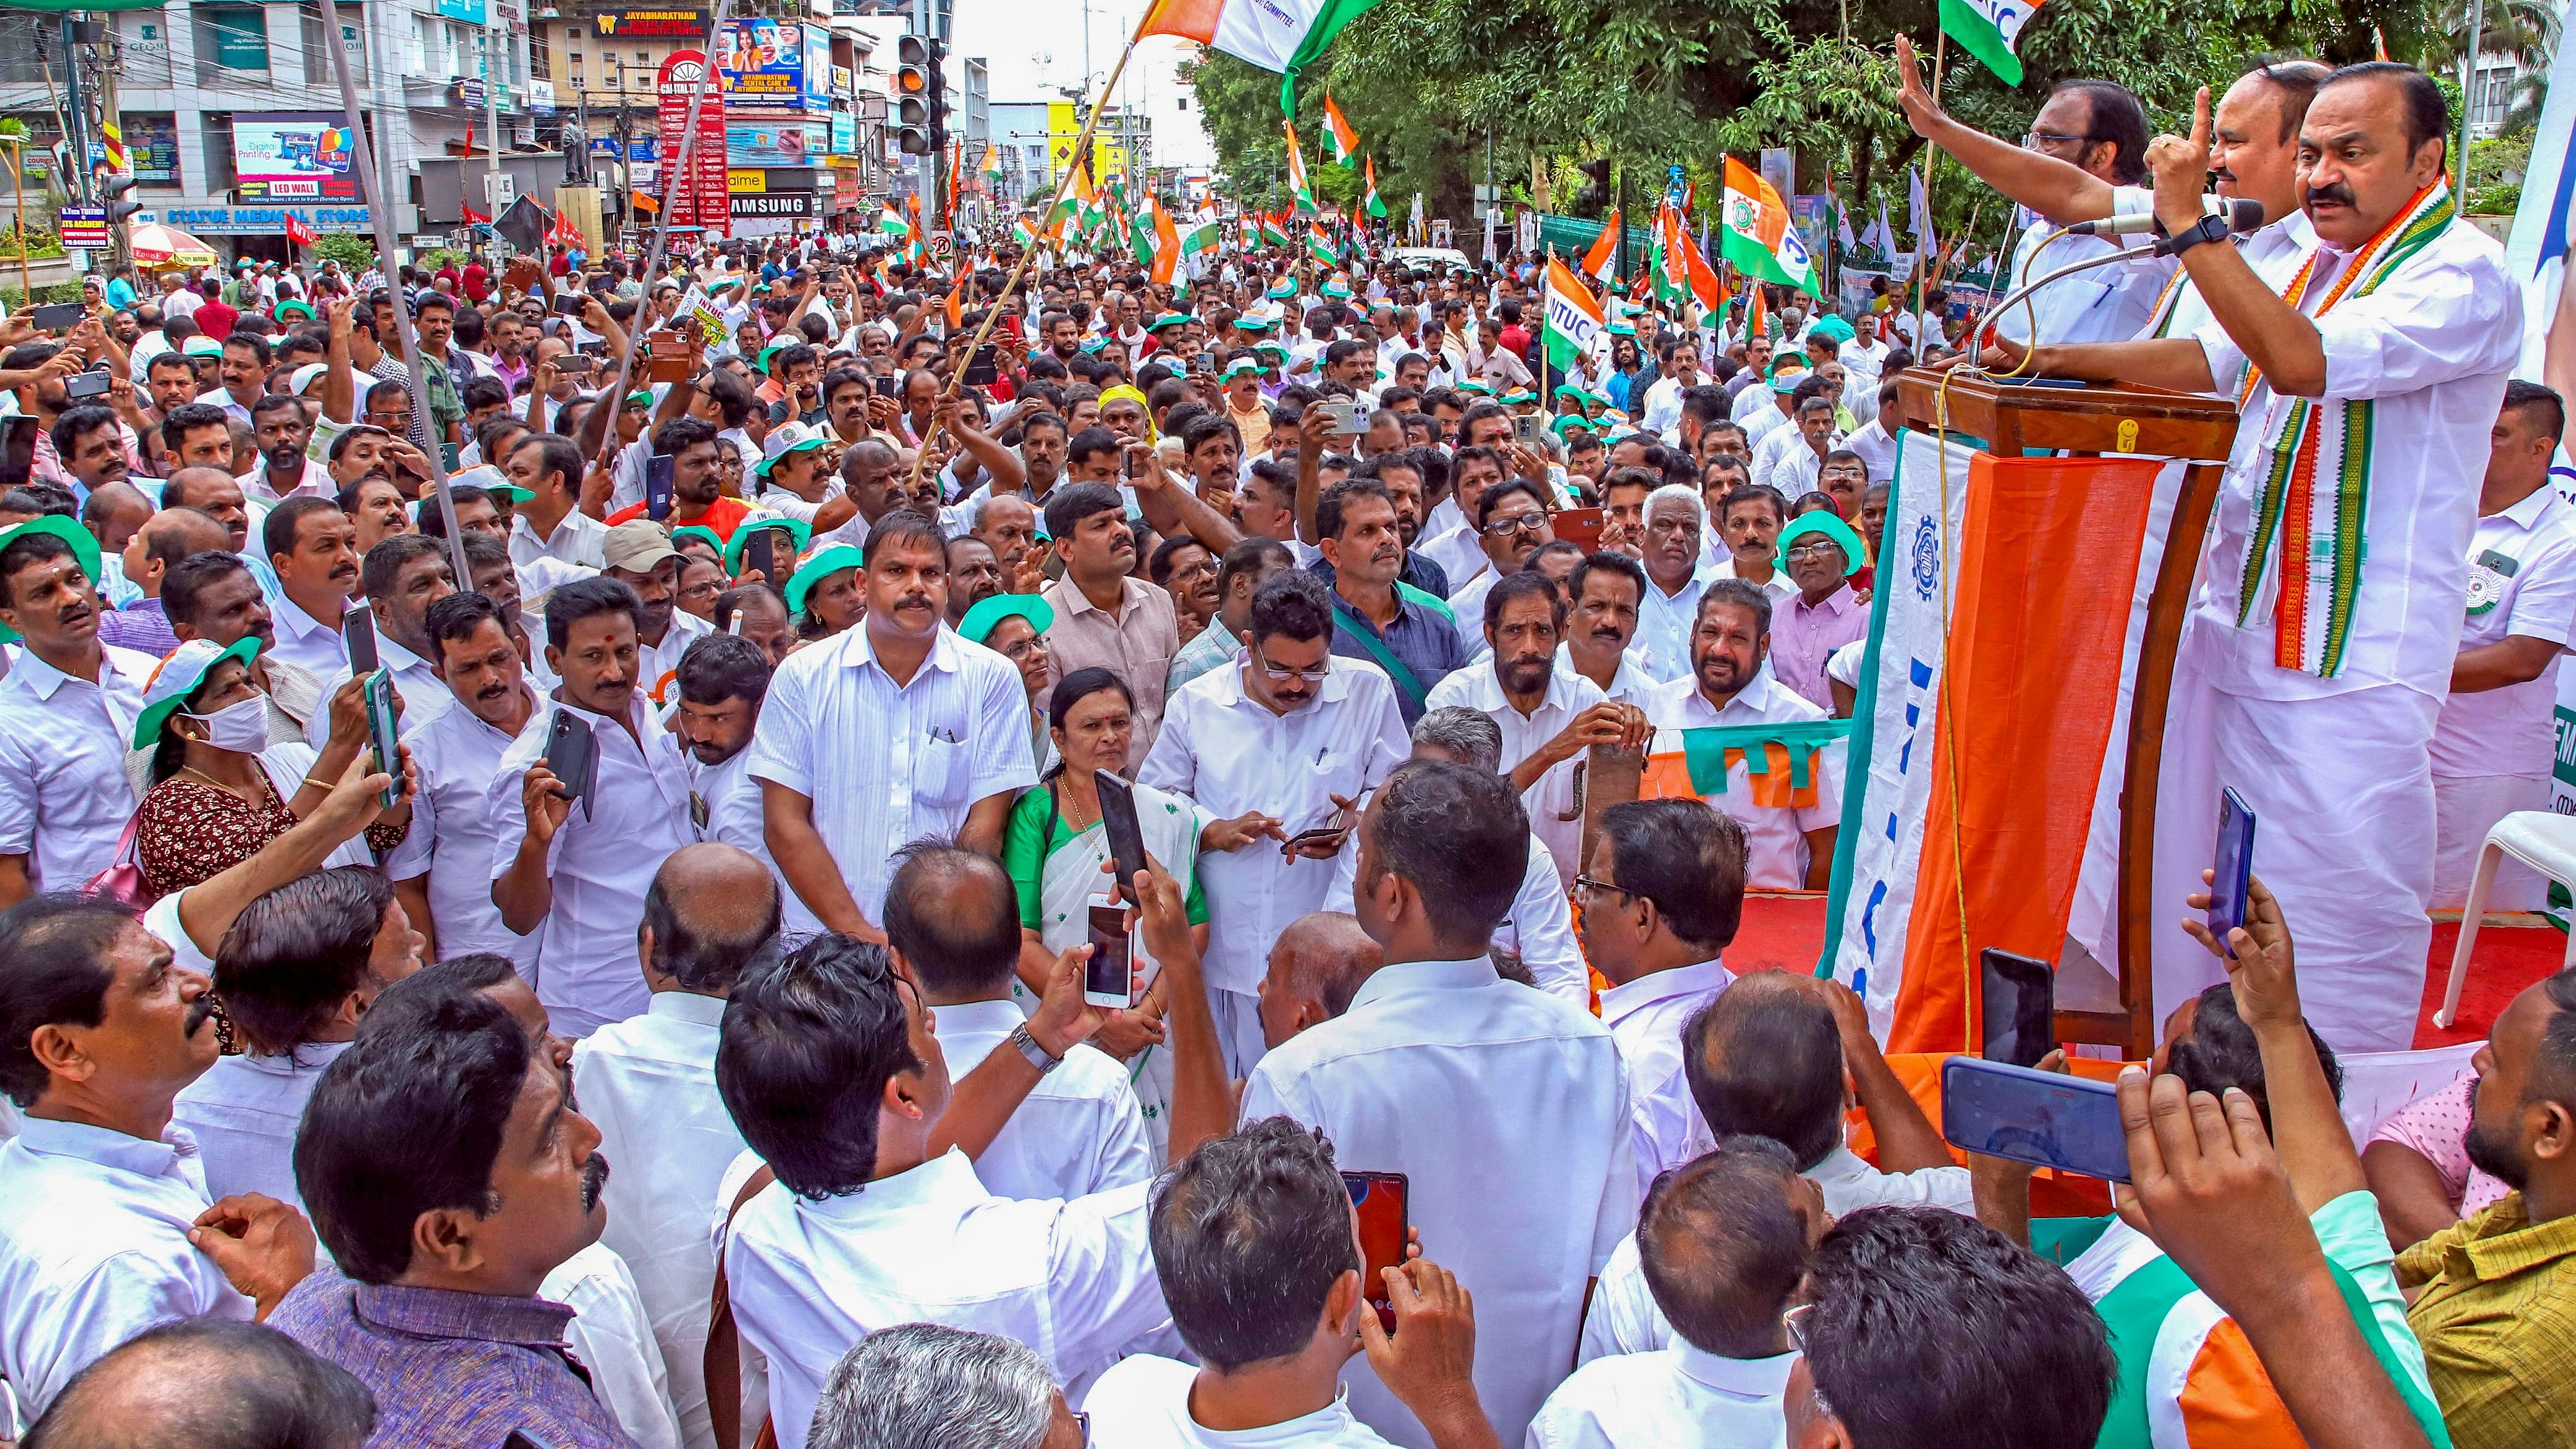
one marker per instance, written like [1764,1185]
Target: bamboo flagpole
[1010,283]
[381,213]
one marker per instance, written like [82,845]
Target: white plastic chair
[2541,839]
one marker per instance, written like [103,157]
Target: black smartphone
[2234,871]
[1118,822]
[358,632]
[888,386]
[2020,998]
[17,448]
[760,552]
[980,371]
[1995,1109]
[573,755]
[657,485]
[55,316]
[570,304]
[1380,1200]
[1108,977]
[84,385]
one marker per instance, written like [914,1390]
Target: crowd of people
[689,1033]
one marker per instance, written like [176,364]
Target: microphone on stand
[2243,215]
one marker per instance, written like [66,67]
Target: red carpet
[1786,932]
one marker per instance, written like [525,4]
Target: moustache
[912,601]
[200,1011]
[2333,193]
[594,1177]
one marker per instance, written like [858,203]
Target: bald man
[156,547]
[205,1382]
[649,1084]
[1316,966]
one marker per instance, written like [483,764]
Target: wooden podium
[2009,419]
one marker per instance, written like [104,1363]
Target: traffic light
[118,207]
[919,96]
[1594,198]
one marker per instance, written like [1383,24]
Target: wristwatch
[1036,1054]
[2212,227]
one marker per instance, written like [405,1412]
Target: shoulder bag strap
[723,1362]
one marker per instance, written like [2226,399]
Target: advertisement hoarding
[651,24]
[774,143]
[698,198]
[775,63]
[294,158]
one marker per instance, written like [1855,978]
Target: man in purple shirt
[1819,552]
[170,536]
[448,1173]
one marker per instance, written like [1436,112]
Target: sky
[1033,49]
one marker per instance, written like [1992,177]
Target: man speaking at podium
[2319,647]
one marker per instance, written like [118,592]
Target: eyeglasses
[1586,883]
[1311,674]
[1814,548]
[1795,1321]
[1524,523]
[2036,139]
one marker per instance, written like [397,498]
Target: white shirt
[1673,1396]
[1664,623]
[1508,1111]
[2274,250]
[1784,461]
[1079,1131]
[601,860]
[425,696]
[243,1113]
[1454,549]
[1629,684]
[1143,1402]
[316,483]
[649,1084]
[1540,929]
[1550,799]
[1663,405]
[611,1336]
[1073,1280]
[657,666]
[1645,1017]
[453,830]
[1775,839]
[2109,303]
[314,645]
[2522,580]
[727,805]
[1877,448]
[2432,348]
[221,398]
[1229,754]
[886,763]
[578,539]
[64,799]
[94,1249]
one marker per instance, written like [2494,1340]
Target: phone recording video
[1379,1198]
[1106,977]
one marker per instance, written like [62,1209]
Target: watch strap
[2212,227]
[1029,1048]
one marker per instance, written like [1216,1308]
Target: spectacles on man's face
[2038,140]
[1584,883]
[1518,523]
[1312,673]
[1813,548]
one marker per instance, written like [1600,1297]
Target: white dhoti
[2465,808]
[2341,787]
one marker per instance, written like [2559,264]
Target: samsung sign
[774,203]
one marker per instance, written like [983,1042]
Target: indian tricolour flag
[1274,232]
[1201,236]
[992,162]
[891,222]
[1023,233]
[1319,244]
[1346,142]
[1573,316]
[1370,203]
[1988,29]
[1156,242]
[1297,172]
[1755,234]
[1281,35]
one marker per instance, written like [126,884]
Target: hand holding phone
[572,757]
[2234,869]
[657,485]
[1995,1109]
[1380,1201]
[384,733]
[1118,822]
[358,632]
[2019,995]
[760,554]
[1108,977]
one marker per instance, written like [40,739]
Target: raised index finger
[2200,119]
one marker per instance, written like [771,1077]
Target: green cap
[1785,356]
[84,552]
[1241,366]
[801,445]
[1831,525]
[179,676]
[1271,347]
[1622,329]
[1252,324]
[992,609]
[1478,388]
[797,531]
[830,561]
[1094,344]
[1337,288]
[761,362]
[1571,389]
[1283,289]
[1168,319]
[298,308]
[511,491]
[1571,420]
[641,397]
[698,530]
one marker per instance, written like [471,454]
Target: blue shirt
[1419,639]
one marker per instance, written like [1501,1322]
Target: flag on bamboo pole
[1279,35]
[1987,30]
[1023,233]
[1573,317]
[890,222]
[1346,142]
[1297,172]
[1603,259]
[1757,320]
[1319,243]
[1754,234]
[1368,173]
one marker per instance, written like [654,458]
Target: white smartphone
[1108,978]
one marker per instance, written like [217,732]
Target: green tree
[353,252]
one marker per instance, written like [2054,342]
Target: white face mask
[241,727]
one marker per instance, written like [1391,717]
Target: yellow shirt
[2497,1317]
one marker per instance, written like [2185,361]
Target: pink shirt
[2437,1126]
[1803,637]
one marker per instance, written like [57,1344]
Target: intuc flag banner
[1755,235]
[1987,29]
[1346,142]
[1991,749]
[1604,256]
[1375,207]
[1297,172]
[1573,317]
[1281,35]
[1320,246]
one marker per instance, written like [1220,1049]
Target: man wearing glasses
[1511,524]
[1296,737]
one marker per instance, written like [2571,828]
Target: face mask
[241,727]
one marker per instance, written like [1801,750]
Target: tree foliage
[1434,86]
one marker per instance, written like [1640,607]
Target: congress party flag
[1297,172]
[1157,243]
[1375,207]
[1573,316]
[1604,256]
[891,222]
[992,163]
[1319,243]
[1987,30]
[1202,236]
[1755,234]
[1346,142]
[1281,35]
